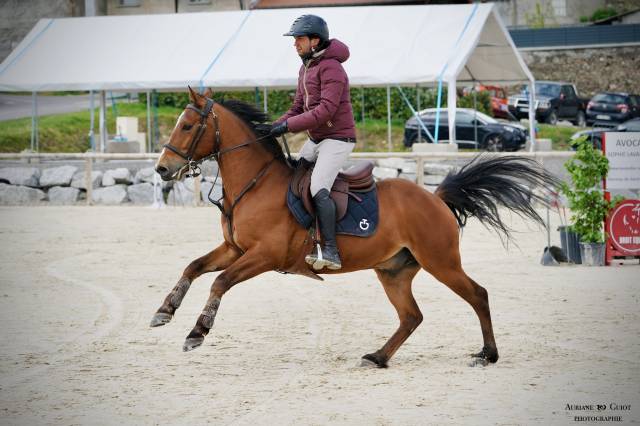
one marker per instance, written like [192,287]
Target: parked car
[554,101]
[595,134]
[474,129]
[610,109]
[499,104]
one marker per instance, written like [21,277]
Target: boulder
[63,195]
[78,180]
[384,173]
[437,169]
[433,180]
[141,193]
[57,176]
[116,194]
[399,164]
[116,176]
[408,176]
[182,193]
[215,194]
[27,176]
[19,195]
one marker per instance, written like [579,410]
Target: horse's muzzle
[164,173]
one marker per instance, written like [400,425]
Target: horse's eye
[187,126]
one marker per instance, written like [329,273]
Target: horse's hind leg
[218,259]
[397,285]
[446,268]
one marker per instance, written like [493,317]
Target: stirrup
[318,261]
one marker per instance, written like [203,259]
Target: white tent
[390,45]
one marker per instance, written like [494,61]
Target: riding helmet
[309,25]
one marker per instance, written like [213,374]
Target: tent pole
[149,136]
[102,121]
[266,100]
[389,117]
[451,106]
[418,106]
[33,121]
[532,114]
[475,109]
[362,113]
[92,138]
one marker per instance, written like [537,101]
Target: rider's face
[303,44]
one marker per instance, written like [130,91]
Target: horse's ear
[193,96]
[208,93]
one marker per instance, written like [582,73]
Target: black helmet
[309,25]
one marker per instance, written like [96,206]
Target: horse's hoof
[191,343]
[488,354]
[160,318]
[373,360]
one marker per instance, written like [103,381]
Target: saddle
[356,179]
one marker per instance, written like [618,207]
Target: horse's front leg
[216,260]
[252,263]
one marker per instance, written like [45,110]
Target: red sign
[624,227]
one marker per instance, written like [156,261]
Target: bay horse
[417,229]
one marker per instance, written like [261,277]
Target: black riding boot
[326,213]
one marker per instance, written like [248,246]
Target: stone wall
[591,70]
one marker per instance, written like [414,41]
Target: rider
[322,107]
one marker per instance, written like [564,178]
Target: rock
[141,193]
[27,176]
[63,195]
[182,193]
[115,194]
[19,195]
[116,176]
[78,180]
[384,173]
[437,169]
[408,176]
[57,176]
[215,194]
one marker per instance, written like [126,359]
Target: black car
[595,134]
[554,101]
[610,109]
[474,129]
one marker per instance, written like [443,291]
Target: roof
[389,45]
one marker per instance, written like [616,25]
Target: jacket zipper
[306,92]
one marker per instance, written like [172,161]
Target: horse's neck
[240,166]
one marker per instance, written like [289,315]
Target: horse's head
[188,141]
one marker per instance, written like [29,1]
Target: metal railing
[418,157]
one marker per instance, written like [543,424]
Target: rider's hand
[279,129]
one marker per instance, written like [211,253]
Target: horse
[417,229]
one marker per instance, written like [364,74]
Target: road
[19,106]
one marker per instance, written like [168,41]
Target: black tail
[483,185]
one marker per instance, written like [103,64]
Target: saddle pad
[360,220]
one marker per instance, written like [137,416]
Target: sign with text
[623,151]
[624,227]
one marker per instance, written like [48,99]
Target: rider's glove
[279,129]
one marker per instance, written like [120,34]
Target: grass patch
[559,135]
[69,132]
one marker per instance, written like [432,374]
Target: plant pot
[592,254]
[570,242]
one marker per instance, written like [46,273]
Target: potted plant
[586,199]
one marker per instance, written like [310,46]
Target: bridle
[194,165]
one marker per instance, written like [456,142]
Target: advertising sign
[624,227]
[623,151]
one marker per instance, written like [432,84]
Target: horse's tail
[480,187]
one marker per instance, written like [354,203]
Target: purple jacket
[322,105]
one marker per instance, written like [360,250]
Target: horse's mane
[256,120]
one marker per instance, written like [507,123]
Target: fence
[419,157]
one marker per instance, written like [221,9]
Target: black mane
[257,121]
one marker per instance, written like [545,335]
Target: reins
[194,165]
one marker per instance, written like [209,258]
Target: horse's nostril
[162,170]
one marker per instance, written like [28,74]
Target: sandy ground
[79,285]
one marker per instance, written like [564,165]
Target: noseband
[193,165]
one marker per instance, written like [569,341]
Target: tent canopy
[389,45]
